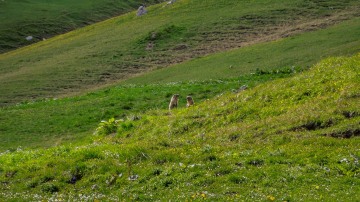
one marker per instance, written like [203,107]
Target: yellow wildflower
[271,198]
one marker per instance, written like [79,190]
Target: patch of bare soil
[237,38]
[226,38]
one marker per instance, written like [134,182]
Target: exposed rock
[29,38]
[133,177]
[171,2]
[242,88]
[141,11]
[95,186]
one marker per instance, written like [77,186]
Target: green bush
[107,127]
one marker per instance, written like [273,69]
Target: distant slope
[122,47]
[297,51]
[293,139]
[44,19]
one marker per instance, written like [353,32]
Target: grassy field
[52,122]
[49,122]
[291,139]
[124,46]
[297,51]
[74,127]
[45,19]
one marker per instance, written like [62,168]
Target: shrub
[107,127]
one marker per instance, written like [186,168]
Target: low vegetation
[74,127]
[122,47]
[50,122]
[43,19]
[291,139]
[297,51]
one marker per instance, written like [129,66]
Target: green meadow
[84,115]
[297,51]
[43,19]
[124,46]
[290,139]
[52,121]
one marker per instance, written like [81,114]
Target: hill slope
[297,51]
[42,123]
[291,139]
[121,47]
[51,122]
[44,19]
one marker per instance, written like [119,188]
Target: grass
[52,122]
[290,139]
[116,49]
[301,50]
[45,19]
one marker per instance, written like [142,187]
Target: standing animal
[174,101]
[189,101]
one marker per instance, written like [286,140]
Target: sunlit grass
[290,139]
[51,122]
[115,49]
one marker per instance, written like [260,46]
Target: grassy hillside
[50,122]
[293,135]
[297,51]
[292,139]
[124,46]
[44,18]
